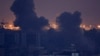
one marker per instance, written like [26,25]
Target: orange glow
[11,27]
[54,26]
[98,26]
[86,27]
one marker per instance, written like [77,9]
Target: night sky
[50,9]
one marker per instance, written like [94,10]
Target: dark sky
[90,9]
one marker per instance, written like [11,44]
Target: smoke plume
[26,17]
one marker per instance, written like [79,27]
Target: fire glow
[89,27]
[98,26]
[54,26]
[86,27]
[11,27]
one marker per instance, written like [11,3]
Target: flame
[11,27]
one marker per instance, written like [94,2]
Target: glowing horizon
[11,27]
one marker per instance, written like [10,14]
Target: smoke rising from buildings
[71,33]
[69,26]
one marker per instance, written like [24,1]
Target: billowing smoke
[71,33]
[69,24]
[26,17]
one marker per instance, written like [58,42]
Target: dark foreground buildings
[30,43]
[19,43]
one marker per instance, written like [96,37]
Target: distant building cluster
[28,43]
[22,43]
